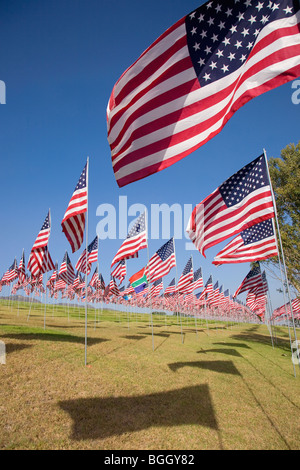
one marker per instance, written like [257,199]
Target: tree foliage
[285,177]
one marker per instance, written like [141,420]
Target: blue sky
[60,60]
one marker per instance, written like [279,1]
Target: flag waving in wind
[73,223]
[253,244]
[66,272]
[161,262]
[84,262]
[186,277]
[136,240]
[185,87]
[252,280]
[44,234]
[171,288]
[40,260]
[243,200]
[120,271]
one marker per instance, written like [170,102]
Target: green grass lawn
[202,386]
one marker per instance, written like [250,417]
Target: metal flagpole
[96,309]
[284,297]
[194,301]
[282,253]
[46,272]
[146,223]
[86,259]
[177,293]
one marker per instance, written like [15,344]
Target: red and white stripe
[156,268]
[130,247]
[119,272]
[158,113]
[73,223]
[212,221]
[237,252]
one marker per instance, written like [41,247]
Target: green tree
[285,177]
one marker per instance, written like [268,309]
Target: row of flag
[213,299]
[243,204]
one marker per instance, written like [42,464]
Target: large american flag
[73,223]
[161,263]
[185,87]
[253,244]
[241,201]
[66,272]
[136,240]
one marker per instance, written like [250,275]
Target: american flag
[113,288]
[66,272]
[84,261]
[161,263]
[136,240]
[73,223]
[171,288]
[78,281]
[286,308]
[60,285]
[11,274]
[185,87]
[186,277]
[40,261]
[217,298]
[129,289]
[95,278]
[241,201]
[156,287]
[252,280]
[197,282]
[257,296]
[253,244]
[52,279]
[208,289]
[21,268]
[120,271]
[215,294]
[44,234]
